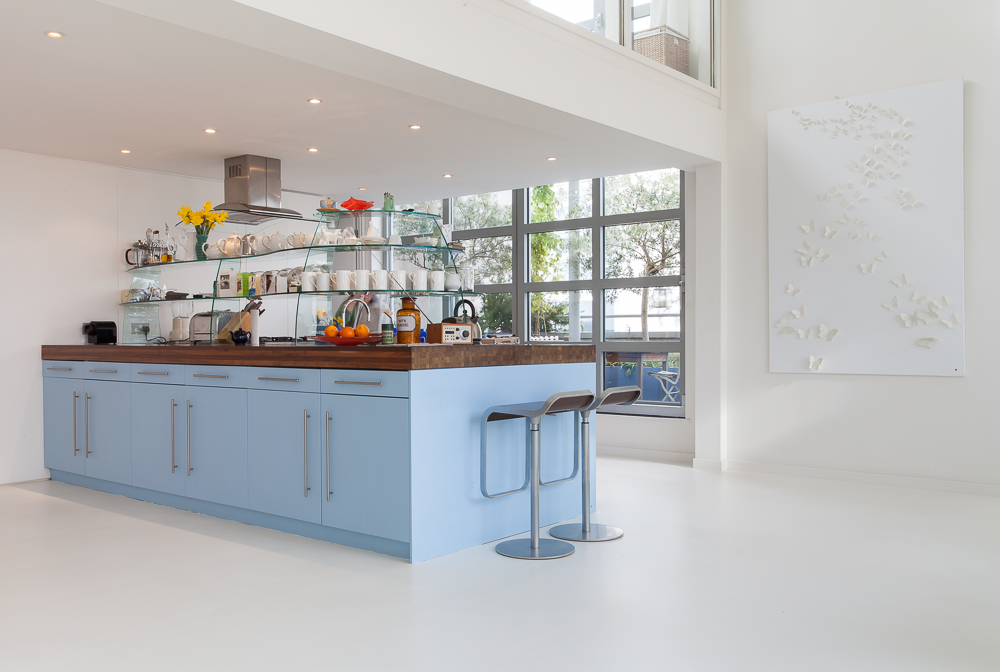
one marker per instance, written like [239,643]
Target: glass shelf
[392,292]
[311,248]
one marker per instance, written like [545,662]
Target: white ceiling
[120,79]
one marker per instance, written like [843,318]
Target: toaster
[205,326]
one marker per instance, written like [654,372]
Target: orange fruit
[362,330]
[347,332]
[331,330]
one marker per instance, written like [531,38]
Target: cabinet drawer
[366,383]
[54,369]
[215,376]
[290,380]
[171,374]
[107,371]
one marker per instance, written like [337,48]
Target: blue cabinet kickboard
[386,461]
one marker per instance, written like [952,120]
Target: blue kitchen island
[375,447]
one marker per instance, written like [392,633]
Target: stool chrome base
[547,549]
[574,532]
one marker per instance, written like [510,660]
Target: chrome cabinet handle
[189,437]
[328,488]
[75,397]
[354,382]
[86,425]
[57,368]
[153,373]
[206,375]
[280,380]
[172,458]
[101,371]
[305,453]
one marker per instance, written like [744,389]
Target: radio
[460,334]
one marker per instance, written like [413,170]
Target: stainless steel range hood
[253,190]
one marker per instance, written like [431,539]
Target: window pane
[492,259]
[642,314]
[657,373]
[561,316]
[642,192]
[561,255]
[483,211]
[642,250]
[496,313]
[557,202]
[590,14]
[675,34]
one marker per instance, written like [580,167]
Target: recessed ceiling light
[415,127]
[362,189]
[552,158]
[315,101]
[447,174]
[313,149]
[54,33]
[210,130]
[126,151]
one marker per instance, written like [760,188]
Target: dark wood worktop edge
[316,357]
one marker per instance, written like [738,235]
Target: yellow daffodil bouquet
[204,220]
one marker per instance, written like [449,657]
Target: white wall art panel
[866,234]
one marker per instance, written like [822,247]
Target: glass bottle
[408,322]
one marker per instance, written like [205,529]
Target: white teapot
[230,246]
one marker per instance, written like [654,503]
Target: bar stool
[587,531]
[561,402]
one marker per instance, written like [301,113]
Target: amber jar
[408,322]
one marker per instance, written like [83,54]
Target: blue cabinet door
[108,430]
[283,453]
[63,409]
[158,438]
[367,475]
[215,459]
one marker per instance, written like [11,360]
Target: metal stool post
[533,548]
[586,530]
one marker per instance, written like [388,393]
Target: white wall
[65,225]
[780,54]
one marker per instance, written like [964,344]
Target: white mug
[380,279]
[398,280]
[322,282]
[342,280]
[360,278]
[418,280]
[308,279]
[437,281]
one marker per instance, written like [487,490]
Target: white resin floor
[716,572]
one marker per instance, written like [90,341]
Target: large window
[589,261]
[676,33]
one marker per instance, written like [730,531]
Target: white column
[707,295]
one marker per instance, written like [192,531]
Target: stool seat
[533,411]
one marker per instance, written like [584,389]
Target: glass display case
[309,273]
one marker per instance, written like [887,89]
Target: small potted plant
[203,221]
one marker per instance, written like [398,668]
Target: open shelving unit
[313,309]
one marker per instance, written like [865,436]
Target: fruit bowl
[350,340]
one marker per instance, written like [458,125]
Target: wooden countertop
[386,358]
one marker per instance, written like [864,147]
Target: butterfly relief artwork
[866,234]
